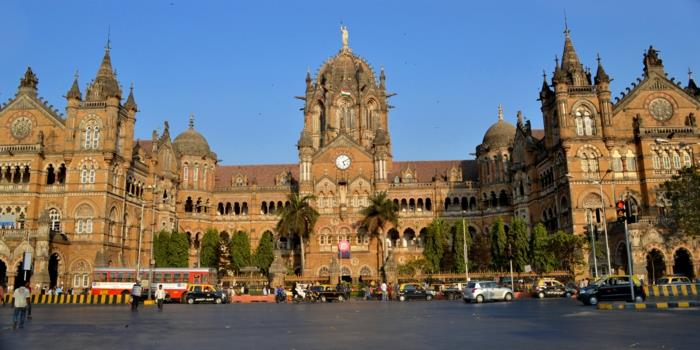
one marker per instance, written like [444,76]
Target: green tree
[460,232]
[178,250]
[518,243]
[209,249]
[224,254]
[541,257]
[480,252]
[264,253]
[298,219]
[683,192]
[434,244]
[160,248]
[240,251]
[380,212]
[498,244]
[566,249]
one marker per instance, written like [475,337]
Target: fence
[76,299]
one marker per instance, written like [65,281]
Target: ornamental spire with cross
[500,112]
[191,121]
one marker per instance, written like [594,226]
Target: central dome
[192,143]
[500,134]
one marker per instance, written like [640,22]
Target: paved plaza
[553,323]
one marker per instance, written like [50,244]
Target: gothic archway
[656,266]
[54,261]
[21,276]
[683,264]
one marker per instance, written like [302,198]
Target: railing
[486,275]
[412,184]
[14,187]
[93,104]
[20,148]
[17,234]
[667,130]
[55,188]
[581,89]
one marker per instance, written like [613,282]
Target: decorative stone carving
[21,127]
[661,109]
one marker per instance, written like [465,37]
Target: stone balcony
[11,234]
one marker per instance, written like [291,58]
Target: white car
[481,291]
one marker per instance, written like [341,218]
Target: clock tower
[344,147]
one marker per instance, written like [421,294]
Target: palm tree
[380,212]
[298,219]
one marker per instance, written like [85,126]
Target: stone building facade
[79,192]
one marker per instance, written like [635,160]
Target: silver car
[481,291]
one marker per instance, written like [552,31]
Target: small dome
[500,134]
[192,143]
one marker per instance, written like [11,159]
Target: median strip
[648,305]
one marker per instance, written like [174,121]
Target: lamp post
[153,226]
[466,251]
[605,222]
[138,250]
[590,229]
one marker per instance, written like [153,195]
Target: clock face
[661,109]
[342,162]
[21,127]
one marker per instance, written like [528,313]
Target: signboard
[344,249]
[27,265]
[8,221]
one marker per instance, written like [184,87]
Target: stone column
[41,252]
[334,271]
[278,271]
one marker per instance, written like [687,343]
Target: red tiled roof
[262,175]
[427,169]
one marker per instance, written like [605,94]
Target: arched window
[579,126]
[55,218]
[617,161]
[686,160]
[87,174]
[585,124]
[655,161]
[83,216]
[631,161]
[667,160]
[95,137]
[88,138]
[185,173]
[676,160]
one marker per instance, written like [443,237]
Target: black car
[329,293]
[550,287]
[203,293]
[611,288]
[409,291]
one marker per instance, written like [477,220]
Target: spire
[692,88]
[500,112]
[105,84]
[569,58]
[130,101]
[191,124]
[28,82]
[545,91]
[308,79]
[600,75]
[382,78]
[74,92]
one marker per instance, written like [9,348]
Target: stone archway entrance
[683,264]
[54,260]
[21,276]
[656,266]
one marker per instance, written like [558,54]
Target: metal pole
[590,229]
[605,225]
[512,282]
[466,251]
[151,262]
[138,253]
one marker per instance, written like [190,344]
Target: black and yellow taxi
[414,291]
[204,293]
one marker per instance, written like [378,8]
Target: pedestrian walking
[160,297]
[21,296]
[135,296]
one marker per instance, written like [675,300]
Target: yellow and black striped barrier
[674,290]
[76,299]
[644,306]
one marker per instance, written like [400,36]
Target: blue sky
[237,64]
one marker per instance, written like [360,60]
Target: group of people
[137,294]
[382,291]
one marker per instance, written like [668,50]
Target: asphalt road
[523,324]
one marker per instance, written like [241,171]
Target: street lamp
[605,222]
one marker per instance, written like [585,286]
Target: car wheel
[479,298]
[190,300]
[218,300]
[428,297]
[638,299]
[593,301]
[323,298]
[508,297]
[402,298]
[341,298]
[540,295]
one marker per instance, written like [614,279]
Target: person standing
[385,295]
[160,297]
[135,296]
[21,296]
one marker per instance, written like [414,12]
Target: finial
[108,46]
[500,112]
[566,25]
[556,61]
[191,120]
[690,74]
[76,75]
[520,117]
[131,87]
[597,57]
[544,74]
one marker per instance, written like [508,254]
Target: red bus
[120,280]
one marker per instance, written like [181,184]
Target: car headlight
[583,291]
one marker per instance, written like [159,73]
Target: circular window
[661,109]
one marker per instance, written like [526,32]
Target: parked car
[408,291]
[550,287]
[204,293]
[666,280]
[454,291]
[327,292]
[611,288]
[481,291]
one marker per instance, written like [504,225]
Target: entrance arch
[682,263]
[656,266]
[20,278]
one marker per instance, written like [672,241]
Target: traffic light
[621,211]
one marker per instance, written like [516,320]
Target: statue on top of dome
[344,32]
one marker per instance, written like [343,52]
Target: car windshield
[662,281]
[471,285]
